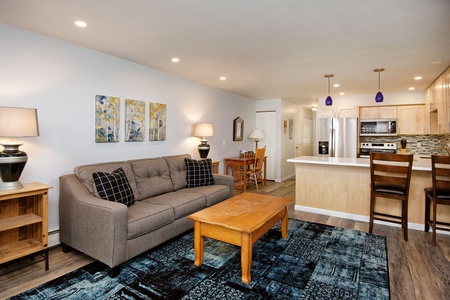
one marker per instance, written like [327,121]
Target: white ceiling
[266,48]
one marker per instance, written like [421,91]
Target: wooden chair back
[259,160]
[391,170]
[440,170]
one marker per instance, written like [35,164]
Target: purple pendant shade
[328,100]
[379,97]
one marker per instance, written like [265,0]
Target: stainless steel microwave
[378,127]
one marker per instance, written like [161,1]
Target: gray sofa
[113,233]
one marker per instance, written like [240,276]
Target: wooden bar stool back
[255,175]
[390,176]
[439,193]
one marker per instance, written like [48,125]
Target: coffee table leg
[199,245]
[246,257]
[284,224]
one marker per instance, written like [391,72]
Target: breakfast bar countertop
[420,164]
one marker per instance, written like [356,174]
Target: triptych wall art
[107,120]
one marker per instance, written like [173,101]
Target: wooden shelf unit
[24,222]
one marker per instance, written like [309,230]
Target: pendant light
[379,96]
[328,101]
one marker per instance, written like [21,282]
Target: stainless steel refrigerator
[337,137]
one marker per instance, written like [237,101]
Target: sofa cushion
[152,177]
[177,169]
[183,204]
[144,218]
[84,173]
[114,186]
[213,193]
[198,172]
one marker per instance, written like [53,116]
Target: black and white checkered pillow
[198,172]
[114,186]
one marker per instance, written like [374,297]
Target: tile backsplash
[416,144]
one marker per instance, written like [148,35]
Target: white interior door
[266,122]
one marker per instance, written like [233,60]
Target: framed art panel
[157,131]
[134,120]
[107,119]
[238,129]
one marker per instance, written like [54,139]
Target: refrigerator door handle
[332,142]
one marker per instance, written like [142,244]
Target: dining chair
[390,176]
[438,194]
[255,174]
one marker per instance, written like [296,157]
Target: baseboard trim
[361,218]
[53,238]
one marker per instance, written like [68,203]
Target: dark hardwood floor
[417,270]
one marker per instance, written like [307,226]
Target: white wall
[61,81]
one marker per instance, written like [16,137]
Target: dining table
[240,165]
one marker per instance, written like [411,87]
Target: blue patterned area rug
[315,262]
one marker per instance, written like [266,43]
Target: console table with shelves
[24,222]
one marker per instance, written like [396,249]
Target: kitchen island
[341,187]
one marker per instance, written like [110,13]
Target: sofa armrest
[91,225]
[225,180]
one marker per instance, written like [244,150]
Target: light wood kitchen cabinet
[378,112]
[348,112]
[438,99]
[326,113]
[412,119]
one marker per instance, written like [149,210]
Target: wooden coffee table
[240,221]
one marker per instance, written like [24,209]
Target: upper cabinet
[412,119]
[378,112]
[438,104]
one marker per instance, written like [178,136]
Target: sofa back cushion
[152,177]
[84,174]
[177,168]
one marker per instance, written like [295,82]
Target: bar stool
[390,176]
[439,193]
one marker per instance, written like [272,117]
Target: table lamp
[203,130]
[256,134]
[15,122]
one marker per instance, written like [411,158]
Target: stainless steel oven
[366,148]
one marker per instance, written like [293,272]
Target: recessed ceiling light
[418,77]
[412,88]
[342,94]
[436,62]
[336,85]
[175,59]
[223,78]
[81,24]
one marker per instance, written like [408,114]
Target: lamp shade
[15,122]
[256,134]
[203,129]
[18,122]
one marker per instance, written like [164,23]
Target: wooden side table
[24,222]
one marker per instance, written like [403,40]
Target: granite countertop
[420,163]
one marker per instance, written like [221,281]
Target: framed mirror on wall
[238,129]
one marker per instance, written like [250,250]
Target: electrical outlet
[223,142]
